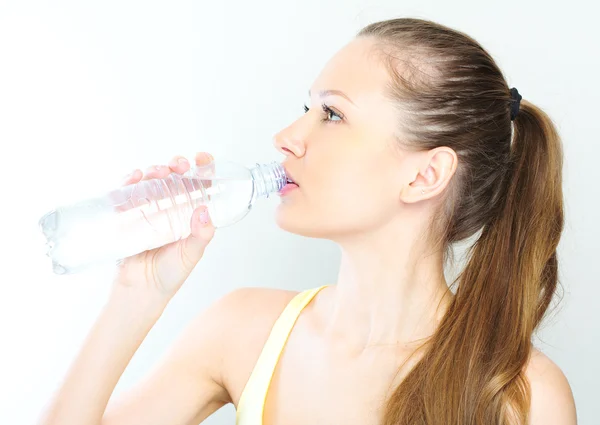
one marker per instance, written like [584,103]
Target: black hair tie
[514,103]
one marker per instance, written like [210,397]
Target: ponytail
[508,186]
[477,356]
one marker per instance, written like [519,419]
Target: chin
[293,221]
[306,224]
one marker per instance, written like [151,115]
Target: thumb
[202,233]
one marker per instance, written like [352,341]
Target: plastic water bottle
[153,213]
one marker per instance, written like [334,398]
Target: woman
[412,141]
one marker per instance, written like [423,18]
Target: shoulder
[551,396]
[241,311]
[242,321]
[245,314]
[251,308]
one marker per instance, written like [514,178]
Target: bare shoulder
[250,311]
[246,317]
[551,396]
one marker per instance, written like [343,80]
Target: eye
[329,114]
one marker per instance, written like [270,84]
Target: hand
[163,270]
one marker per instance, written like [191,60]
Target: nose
[289,142]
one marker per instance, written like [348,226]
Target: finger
[203,158]
[179,165]
[156,172]
[132,177]
[202,233]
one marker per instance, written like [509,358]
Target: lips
[288,188]
[290,179]
[291,183]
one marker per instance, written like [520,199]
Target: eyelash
[327,111]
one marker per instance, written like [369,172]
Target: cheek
[352,200]
[334,210]
[350,194]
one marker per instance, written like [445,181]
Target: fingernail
[208,157]
[203,217]
[182,160]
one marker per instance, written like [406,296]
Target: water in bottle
[153,213]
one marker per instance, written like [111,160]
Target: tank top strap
[252,401]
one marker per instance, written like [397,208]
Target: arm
[182,390]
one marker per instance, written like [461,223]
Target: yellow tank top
[252,401]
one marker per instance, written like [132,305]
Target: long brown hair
[508,186]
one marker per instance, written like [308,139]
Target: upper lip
[289,175]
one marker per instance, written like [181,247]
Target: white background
[91,90]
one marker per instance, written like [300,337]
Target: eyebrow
[324,93]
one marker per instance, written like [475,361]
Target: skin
[358,189]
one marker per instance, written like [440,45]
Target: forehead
[356,70]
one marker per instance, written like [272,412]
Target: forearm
[122,325]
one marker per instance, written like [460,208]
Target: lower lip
[287,189]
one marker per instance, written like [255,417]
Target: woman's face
[345,158]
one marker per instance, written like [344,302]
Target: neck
[389,291]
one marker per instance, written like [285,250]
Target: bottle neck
[268,178]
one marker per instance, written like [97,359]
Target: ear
[432,175]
